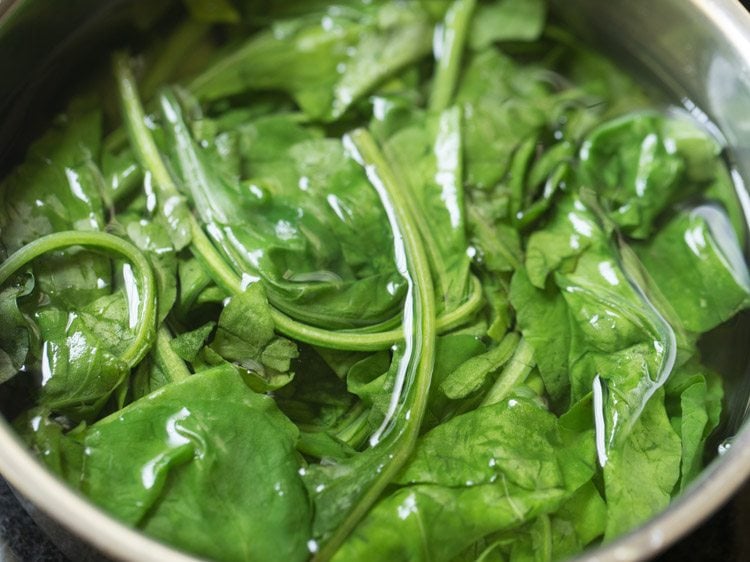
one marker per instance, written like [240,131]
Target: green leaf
[570,232]
[154,241]
[429,522]
[579,521]
[109,319]
[697,264]
[56,188]
[501,106]
[14,329]
[122,173]
[639,163]
[188,344]
[465,484]
[147,378]
[61,452]
[451,352]
[52,190]
[507,20]
[245,336]
[305,243]
[472,374]
[640,476]
[327,68]
[515,441]
[79,372]
[538,312]
[373,379]
[316,400]
[694,402]
[197,462]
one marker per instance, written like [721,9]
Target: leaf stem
[172,53]
[166,359]
[135,121]
[515,372]
[451,43]
[420,329]
[146,321]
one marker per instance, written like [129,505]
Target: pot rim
[715,485]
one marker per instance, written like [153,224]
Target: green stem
[450,127]
[171,54]
[352,341]
[519,166]
[454,31]
[146,321]
[166,359]
[399,444]
[514,373]
[135,121]
[356,427]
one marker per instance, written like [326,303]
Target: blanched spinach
[208,436]
[370,280]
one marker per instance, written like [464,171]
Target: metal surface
[697,49]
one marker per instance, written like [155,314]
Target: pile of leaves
[368,280]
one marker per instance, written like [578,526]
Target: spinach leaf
[430,522]
[344,492]
[612,323]
[639,163]
[694,396]
[188,344]
[190,465]
[579,520]
[463,483]
[152,238]
[537,311]
[300,260]
[122,174]
[56,188]
[696,262]
[452,352]
[495,95]
[245,336]
[52,190]
[79,373]
[327,67]
[507,20]
[514,440]
[318,402]
[640,475]
[473,333]
[15,329]
[72,356]
[471,375]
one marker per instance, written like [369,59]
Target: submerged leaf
[189,453]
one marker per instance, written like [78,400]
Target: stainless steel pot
[698,50]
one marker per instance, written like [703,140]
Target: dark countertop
[19,534]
